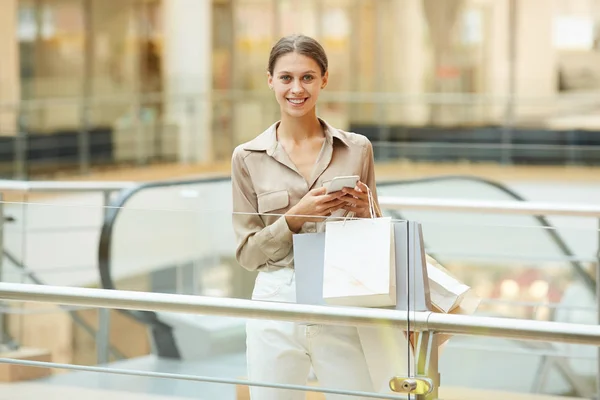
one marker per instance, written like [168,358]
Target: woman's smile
[297,102]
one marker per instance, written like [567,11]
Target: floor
[477,373]
[224,366]
[36,391]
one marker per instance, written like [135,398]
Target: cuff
[280,231]
[279,239]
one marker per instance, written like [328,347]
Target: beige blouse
[265,181]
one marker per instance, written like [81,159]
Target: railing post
[84,140]
[426,352]
[598,311]
[2,320]
[192,130]
[21,139]
[103,336]
[141,155]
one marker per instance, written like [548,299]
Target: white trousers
[283,352]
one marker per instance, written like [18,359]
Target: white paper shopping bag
[445,290]
[359,266]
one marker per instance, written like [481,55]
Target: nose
[297,87]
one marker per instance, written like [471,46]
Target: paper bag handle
[371,203]
[372,210]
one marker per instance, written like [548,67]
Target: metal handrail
[490,207]
[420,321]
[7,185]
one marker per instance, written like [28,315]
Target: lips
[297,102]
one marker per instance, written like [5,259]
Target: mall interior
[118,120]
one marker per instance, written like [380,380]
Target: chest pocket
[272,201]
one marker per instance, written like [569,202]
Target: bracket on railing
[424,385]
[417,385]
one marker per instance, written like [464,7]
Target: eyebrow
[289,73]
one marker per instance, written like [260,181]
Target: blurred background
[145,100]
[93,83]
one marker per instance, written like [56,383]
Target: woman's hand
[315,203]
[357,200]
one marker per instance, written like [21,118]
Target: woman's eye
[285,78]
[308,78]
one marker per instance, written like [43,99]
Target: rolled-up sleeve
[256,243]
[369,173]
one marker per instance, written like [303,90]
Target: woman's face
[297,81]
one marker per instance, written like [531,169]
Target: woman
[277,181]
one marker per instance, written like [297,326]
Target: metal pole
[84,139]
[140,141]
[192,129]
[598,311]
[509,122]
[20,169]
[87,89]
[427,363]
[103,336]
[347,316]
[2,320]
[381,108]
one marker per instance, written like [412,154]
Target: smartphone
[340,182]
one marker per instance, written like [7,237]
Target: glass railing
[49,237]
[177,238]
[548,365]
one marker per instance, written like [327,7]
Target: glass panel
[162,234]
[179,239]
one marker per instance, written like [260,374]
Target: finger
[362,187]
[364,202]
[324,208]
[324,199]
[355,193]
[318,191]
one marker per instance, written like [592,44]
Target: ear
[325,79]
[269,80]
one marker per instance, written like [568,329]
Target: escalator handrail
[106,235]
[588,281]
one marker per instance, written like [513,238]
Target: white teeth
[296,101]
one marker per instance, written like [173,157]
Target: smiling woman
[279,184]
[297,72]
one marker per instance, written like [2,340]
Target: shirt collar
[267,141]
